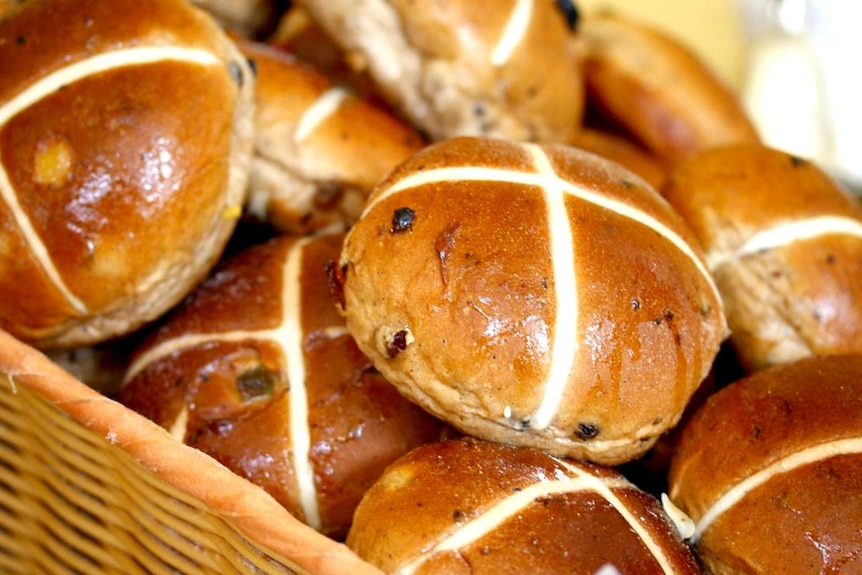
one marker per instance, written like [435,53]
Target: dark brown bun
[784,243]
[657,88]
[471,506]
[538,295]
[769,469]
[125,143]
[462,67]
[256,368]
[319,148]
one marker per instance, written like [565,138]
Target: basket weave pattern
[72,503]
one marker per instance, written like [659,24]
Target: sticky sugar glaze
[257,369]
[541,288]
[769,469]
[468,505]
[118,193]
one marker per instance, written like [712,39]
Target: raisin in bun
[257,369]
[784,242]
[769,469]
[319,148]
[658,89]
[471,506]
[539,295]
[463,67]
[125,144]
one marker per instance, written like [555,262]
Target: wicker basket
[88,486]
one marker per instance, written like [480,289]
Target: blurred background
[793,62]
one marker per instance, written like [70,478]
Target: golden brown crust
[257,514]
[462,306]
[436,64]
[657,88]
[798,293]
[514,510]
[121,193]
[792,432]
[307,176]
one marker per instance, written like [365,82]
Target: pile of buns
[466,288]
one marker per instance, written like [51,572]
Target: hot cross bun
[462,67]
[257,369]
[125,144]
[784,242]
[769,469]
[539,295]
[319,147]
[471,506]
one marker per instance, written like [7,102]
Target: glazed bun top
[532,294]
[770,425]
[125,143]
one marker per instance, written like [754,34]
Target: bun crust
[769,467]
[583,333]
[125,145]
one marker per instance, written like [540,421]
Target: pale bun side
[459,68]
[319,147]
[784,242]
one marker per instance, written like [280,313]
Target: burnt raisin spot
[402,220]
[335,276]
[398,344]
[252,65]
[635,304]
[256,383]
[587,431]
[796,161]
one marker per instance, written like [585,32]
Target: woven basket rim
[256,514]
